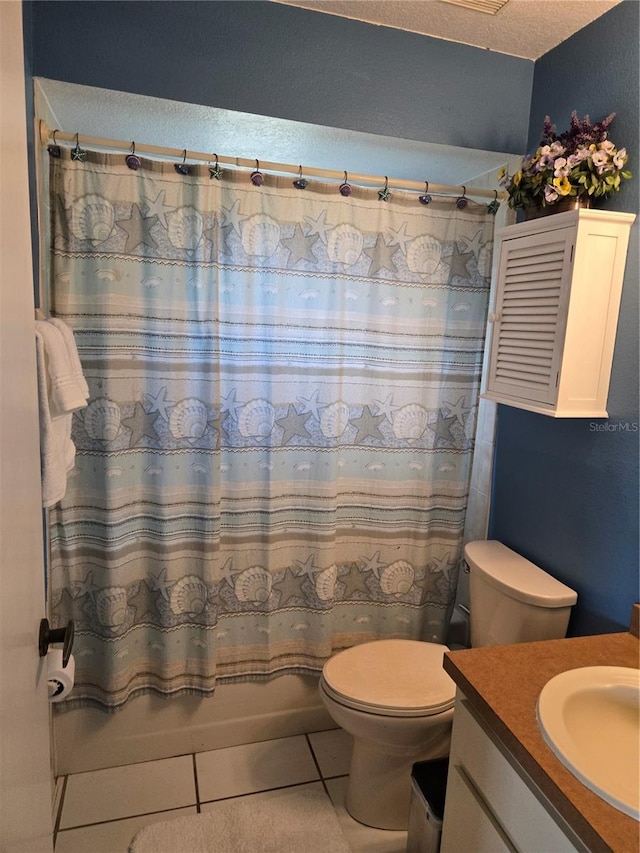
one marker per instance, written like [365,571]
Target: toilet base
[379,788]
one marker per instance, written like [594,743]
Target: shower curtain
[275,459]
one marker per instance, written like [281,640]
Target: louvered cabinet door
[530,316]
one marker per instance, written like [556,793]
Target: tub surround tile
[477,518]
[120,792]
[254,767]
[481,469]
[332,750]
[114,836]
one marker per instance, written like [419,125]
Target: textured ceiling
[524,28]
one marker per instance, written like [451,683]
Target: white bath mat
[277,822]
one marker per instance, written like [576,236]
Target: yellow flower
[517,178]
[562,185]
[502,171]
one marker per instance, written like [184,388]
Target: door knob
[47,636]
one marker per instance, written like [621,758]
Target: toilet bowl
[394,697]
[396,701]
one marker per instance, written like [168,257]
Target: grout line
[263,790]
[56,826]
[129,816]
[315,761]
[195,780]
[130,763]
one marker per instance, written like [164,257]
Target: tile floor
[101,811]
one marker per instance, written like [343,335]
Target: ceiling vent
[491,7]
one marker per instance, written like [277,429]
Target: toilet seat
[393,678]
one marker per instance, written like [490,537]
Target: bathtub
[150,727]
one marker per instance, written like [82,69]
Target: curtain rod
[47,135]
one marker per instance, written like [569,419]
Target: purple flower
[620,158]
[561,168]
[600,159]
[548,131]
[568,163]
[550,194]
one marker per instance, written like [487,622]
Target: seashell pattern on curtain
[274,463]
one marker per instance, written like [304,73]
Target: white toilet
[394,697]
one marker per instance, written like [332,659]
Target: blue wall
[565,494]
[282,61]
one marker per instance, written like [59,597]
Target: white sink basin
[590,719]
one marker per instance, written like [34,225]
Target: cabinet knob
[494,316]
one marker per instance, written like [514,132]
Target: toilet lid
[391,677]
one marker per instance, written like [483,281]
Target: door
[25,775]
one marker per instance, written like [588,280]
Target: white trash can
[428,787]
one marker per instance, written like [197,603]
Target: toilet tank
[511,600]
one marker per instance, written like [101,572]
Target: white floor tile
[136,789]
[112,837]
[363,839]
[332,750]
[254,767]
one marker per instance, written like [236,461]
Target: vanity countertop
[502,684]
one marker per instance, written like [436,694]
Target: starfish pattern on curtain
[274,462]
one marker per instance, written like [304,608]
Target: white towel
[60,394]
[74,358]
[65,393]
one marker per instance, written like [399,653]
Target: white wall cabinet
[556,311]
[492,806]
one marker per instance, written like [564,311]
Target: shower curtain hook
[300,183]
[132,160]
[494,204]
[215,171]
[257,178]
[345,187]
[384,193]
[77,153]
[462,201]
[426,198]
[54,150]
[182,168]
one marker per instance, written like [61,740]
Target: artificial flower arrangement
[581,162]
